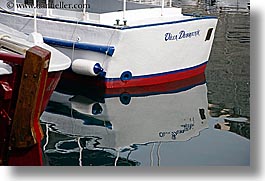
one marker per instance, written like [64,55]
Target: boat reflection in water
[137,126]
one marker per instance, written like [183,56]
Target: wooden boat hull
[22,146]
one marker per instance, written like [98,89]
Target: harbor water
[202,121]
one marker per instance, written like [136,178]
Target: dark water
[201,121]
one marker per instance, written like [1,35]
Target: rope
[108,45]
[73,49]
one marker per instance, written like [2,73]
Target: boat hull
[137,55]
[33,156]
[10,87]
[70,78]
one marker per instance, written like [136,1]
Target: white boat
[124,43]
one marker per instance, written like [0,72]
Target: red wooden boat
[29,73]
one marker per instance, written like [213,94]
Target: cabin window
[209,34]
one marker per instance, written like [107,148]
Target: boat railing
[74,15]
[84,14]
[153,2]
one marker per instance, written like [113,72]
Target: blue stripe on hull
[109,50]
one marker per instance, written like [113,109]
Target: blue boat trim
[129,27]
[160,74]
[169,22]
[115,27]
[109,50]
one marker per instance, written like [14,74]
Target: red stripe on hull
[159,88]
[74,80]
[157,79]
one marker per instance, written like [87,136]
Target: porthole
[125,76]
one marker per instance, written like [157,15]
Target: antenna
[35,15]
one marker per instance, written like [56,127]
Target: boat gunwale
[195,18]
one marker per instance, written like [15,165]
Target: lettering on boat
[181,35]
[184,128]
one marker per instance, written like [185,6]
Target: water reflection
[228,72]
[158,125]
[240,126]
[146,127]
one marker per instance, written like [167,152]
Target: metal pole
[35,15]
[47,8]
[162,7]
[15,5]
[84,10]
[124,8]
